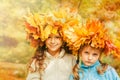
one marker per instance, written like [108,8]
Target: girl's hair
[66,48]
[76,68]
[101,69]
[38,58]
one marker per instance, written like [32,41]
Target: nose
[90,57]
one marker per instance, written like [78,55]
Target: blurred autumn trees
[13,44]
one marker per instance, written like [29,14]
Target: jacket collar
[48,55]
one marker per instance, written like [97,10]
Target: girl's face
[89,55]
[54,43]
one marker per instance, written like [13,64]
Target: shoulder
[110,69]
[71,77]
[33,76]
[111,73]
[33,65]
[70,58]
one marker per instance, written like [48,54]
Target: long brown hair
[38,58]
[76,68]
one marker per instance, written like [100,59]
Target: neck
[54,53]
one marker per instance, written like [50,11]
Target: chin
[54,49]
[88,64]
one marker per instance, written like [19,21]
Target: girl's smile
[54,43]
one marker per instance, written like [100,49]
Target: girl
[91,68]
[51,60]
[51,63]
[93,42]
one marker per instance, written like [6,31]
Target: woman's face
[54,43]
[89,55]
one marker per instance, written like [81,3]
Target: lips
[53,45]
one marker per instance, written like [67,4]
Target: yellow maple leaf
[46,32]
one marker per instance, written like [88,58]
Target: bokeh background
[15,50]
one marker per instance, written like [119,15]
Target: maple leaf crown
[93,33]
[69,24]
[39,26]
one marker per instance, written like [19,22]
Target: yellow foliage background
[15,51]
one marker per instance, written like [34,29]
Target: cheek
[60,42]
[83,57]
[47,42]
[96,57]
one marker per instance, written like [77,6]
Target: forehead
[88,47]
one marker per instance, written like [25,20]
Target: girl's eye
[49,37]
[86,52]
[95,54]
[58,37]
